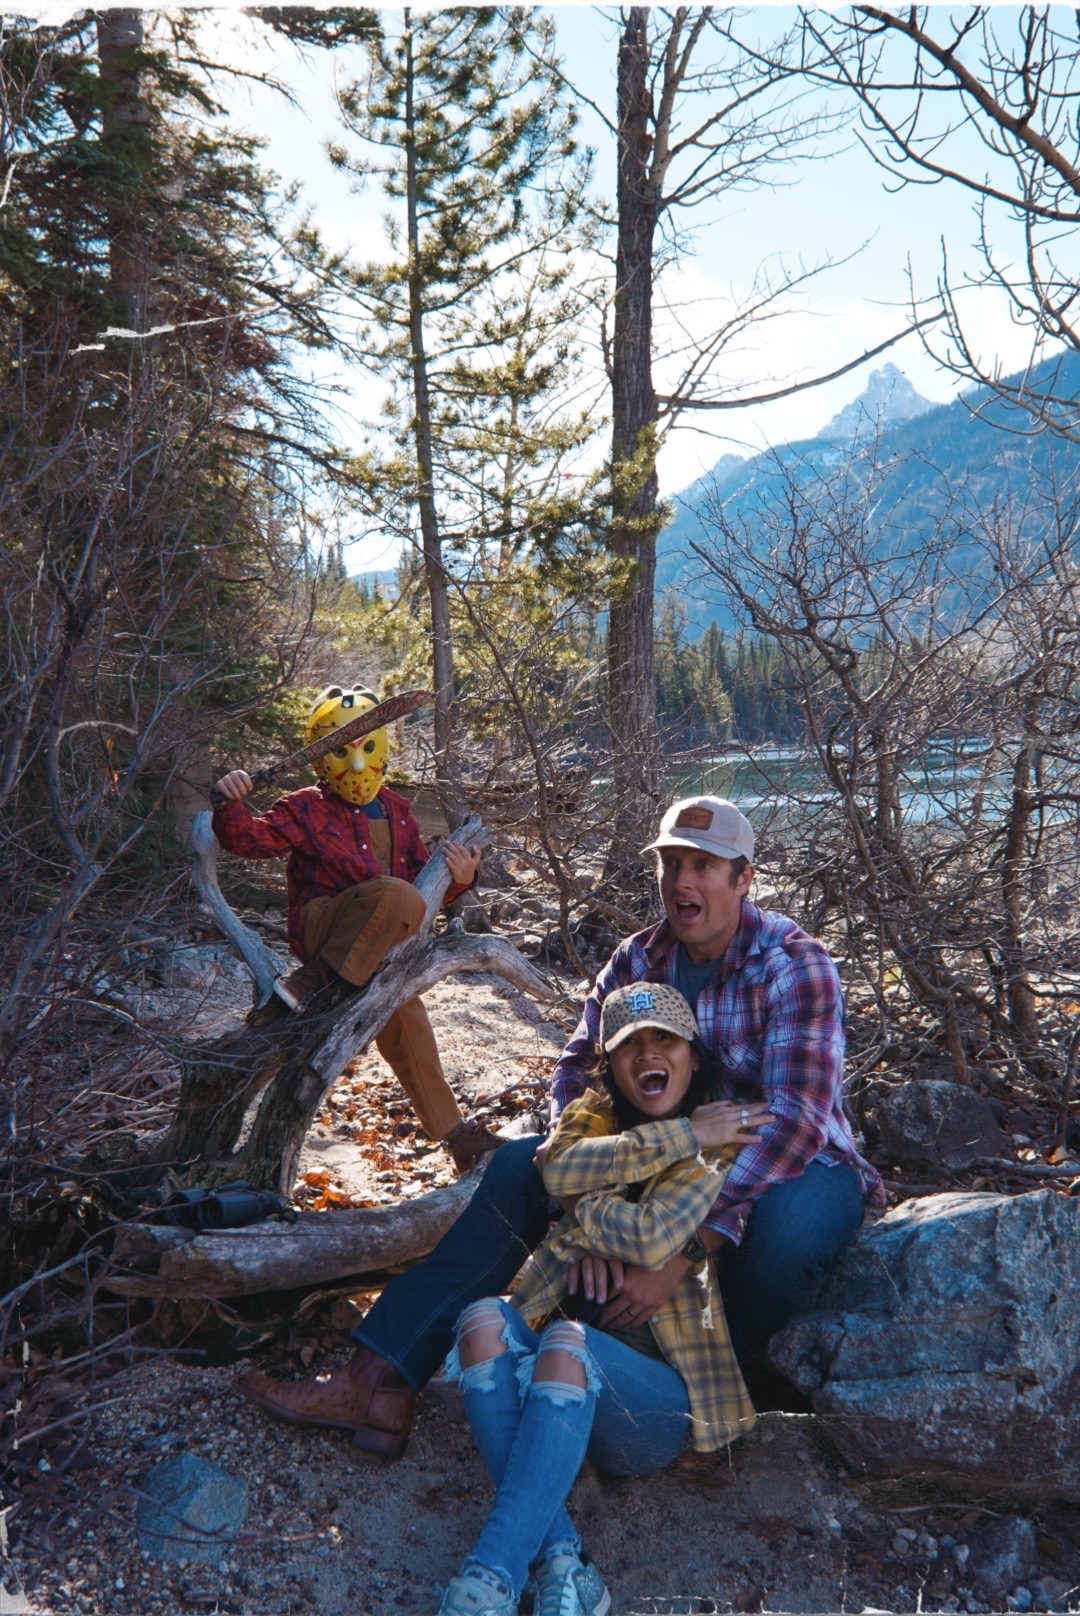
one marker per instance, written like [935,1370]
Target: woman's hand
[599,1277]
[462,862]
[234,787]
[729,1122]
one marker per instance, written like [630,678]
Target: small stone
[1050,1593]
[190,1510]
[1022,1598]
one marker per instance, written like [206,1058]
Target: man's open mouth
[688,911]
[652,1084]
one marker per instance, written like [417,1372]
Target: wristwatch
[695,1249]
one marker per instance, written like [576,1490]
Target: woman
[543,1393]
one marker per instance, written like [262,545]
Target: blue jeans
[793,1234]
[631,1417]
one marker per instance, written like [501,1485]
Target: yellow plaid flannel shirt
[589,1159]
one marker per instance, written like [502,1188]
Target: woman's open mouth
[652,1084]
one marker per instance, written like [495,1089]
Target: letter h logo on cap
[640,1002]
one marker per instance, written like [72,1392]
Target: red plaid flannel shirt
[326,842]
[773,1014]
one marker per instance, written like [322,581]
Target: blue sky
[840,204]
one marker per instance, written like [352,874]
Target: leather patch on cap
[694,819]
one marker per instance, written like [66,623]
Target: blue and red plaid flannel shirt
[773,1014]
[327,844]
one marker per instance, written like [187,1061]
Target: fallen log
[160,1261]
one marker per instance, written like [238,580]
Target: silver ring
[744,1117]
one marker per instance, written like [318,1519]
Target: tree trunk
[124,118]
[636,767]
[1023,1017]
[442,648]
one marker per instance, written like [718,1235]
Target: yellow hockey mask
[354,772]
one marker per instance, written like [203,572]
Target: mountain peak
[887,399]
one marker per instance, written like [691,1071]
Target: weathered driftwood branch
[270,1154]
[297,1059]
[319,1247]
[412,970]
[248,944]
[434,879]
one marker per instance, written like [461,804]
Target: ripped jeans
[631,1417]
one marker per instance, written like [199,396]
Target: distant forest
[722,686]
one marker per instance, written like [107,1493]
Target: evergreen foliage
[155,445]
[474,315]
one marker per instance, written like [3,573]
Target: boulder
[945,1342]
[189,1509]
[929,1122]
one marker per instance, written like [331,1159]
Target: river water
[941,786]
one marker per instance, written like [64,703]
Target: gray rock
[930,1123]
[944,1342]
[1051,1593]
[187,966]
[189,1509]
[1002,1553]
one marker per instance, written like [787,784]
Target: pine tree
[464,123]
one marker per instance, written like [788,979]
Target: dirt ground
[775,1525]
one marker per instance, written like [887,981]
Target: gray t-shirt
[690,976]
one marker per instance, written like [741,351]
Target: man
[769,1003]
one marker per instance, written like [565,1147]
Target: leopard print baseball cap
[644,1004]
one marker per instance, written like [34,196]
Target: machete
[384,712]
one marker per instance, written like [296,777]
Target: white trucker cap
[712,824]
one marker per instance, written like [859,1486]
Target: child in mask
[353,850]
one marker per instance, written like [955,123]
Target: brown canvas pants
[351,932]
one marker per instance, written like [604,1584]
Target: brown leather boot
[467,1141]
[367,1398]
[293,992]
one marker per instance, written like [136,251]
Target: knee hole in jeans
[483,1334]
[564,1364]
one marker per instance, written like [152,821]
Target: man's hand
[598,1277]
[729,1122]
[644,1291]
[234,787]
[462,862]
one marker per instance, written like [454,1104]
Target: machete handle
[261,777]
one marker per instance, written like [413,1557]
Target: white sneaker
[567,1585]
[475,1596]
